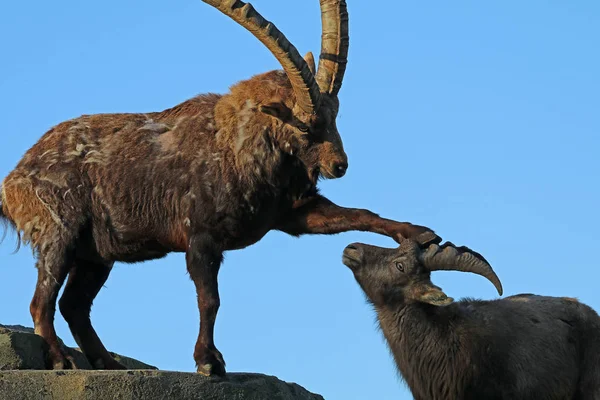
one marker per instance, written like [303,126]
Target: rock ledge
[22,377]
[145,384]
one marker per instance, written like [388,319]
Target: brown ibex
[214,173]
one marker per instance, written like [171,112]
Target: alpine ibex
[522,347]
[214,173]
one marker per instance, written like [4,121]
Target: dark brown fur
[522,347]
[211,174]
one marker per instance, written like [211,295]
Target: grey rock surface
[22,377]
[20,348]
[130,385]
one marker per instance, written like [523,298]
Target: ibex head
[305,105]
[403,274]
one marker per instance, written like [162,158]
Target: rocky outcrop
[20,348]
[22,378]
[130,385]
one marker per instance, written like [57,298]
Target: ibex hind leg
[85,281]
[55,256]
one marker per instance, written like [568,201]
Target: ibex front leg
[203,261]
[319,215]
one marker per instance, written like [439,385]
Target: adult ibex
[522,347]
[214,173]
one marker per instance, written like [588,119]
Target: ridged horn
[308,96]
[334,45]
[450,258]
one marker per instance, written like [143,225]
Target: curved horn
[450,258]
[334,45]
[308,96]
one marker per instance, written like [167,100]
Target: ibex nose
[339,169]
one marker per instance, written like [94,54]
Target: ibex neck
[426,348]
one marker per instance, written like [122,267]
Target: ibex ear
[431,294]
[277,110]
[310,60]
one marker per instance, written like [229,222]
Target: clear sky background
[481,121]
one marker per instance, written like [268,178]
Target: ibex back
[211,174]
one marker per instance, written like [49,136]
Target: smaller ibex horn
[450,258]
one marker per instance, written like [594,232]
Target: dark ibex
[211,174]
[522,347]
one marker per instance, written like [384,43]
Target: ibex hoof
[428,238]
[211,370]
[60,361]
[211,364]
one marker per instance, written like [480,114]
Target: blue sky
[478,119]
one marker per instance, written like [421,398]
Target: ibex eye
[400,266]
[303,128]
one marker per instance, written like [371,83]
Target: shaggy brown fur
[214,173]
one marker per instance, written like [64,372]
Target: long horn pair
[334,48]
[451,258]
